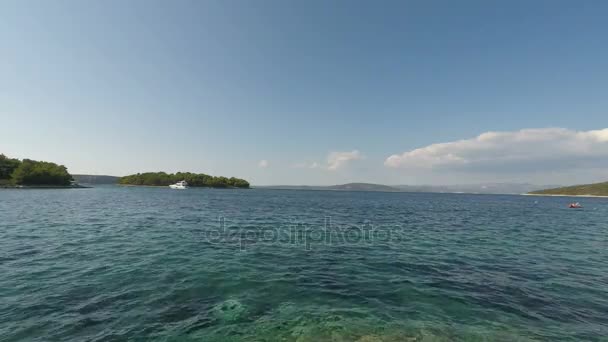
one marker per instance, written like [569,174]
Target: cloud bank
[337,160]
[305,165]
[526,149]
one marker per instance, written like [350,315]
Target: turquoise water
[151,264]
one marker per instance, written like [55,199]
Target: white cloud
[336,160]
[307,165]
[527,149]
[299,165]
[263,163]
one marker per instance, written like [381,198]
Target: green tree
[32,172]
[7,166]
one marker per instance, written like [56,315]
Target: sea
[117,263]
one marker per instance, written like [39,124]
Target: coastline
[190,187]
[565,195]
[143,186]
[32,187]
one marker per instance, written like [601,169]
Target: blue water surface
[153,264]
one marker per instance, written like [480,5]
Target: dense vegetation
[193,179]
[597,189]
[32,172]
[7,167]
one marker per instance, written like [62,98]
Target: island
[595,189]
[15,173]
[193,179]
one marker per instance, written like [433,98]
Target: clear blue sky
[322,91]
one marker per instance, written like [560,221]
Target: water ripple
[148,264]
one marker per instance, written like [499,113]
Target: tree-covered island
[27,172]
[193,179]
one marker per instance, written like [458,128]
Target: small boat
[575,205]
[181,185]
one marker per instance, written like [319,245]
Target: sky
[311,91]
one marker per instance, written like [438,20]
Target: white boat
[179,185]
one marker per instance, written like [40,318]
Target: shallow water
[152,264]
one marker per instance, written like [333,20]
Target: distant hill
[481,188]
[95,179]
[596,189]
[341,187]
[488,188]
[362,187]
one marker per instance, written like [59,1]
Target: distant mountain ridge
[362,187]
[95,179]
[484,188]
[481,188]
[341,187]
[594,189]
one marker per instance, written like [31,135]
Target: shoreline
[565,195]
[33,187]
[143,186]
[189,187]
